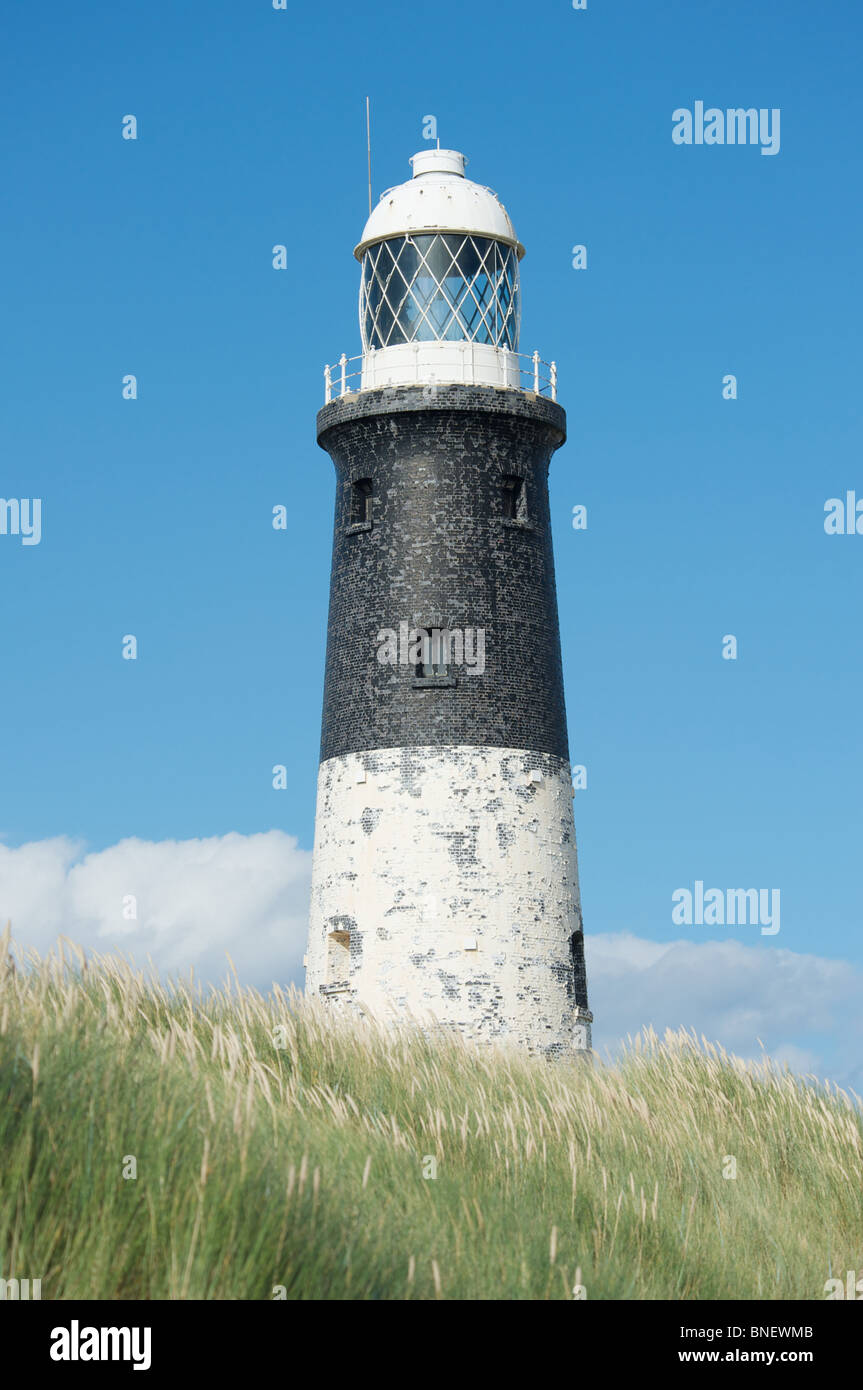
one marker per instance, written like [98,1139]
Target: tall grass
[277,1146]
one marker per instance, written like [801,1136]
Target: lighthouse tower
[445,879]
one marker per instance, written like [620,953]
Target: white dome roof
[438,199]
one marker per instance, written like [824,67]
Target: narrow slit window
[514,499]
[338,958]
[433,658]
[576,951]
[362,493]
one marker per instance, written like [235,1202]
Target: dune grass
[278,1150]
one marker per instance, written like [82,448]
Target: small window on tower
[579,974]
[514,499]
[338,959]
[433,658]
[362,493]
[434,650]
[425,670]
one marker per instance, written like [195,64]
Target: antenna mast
[369,152]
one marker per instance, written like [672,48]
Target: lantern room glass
[439,287]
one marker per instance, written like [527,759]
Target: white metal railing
[343,377]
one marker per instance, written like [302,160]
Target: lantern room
[439,290]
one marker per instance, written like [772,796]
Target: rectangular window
[579,974]
[435,649]
[514,498]
[361,500]
[427,669]
[338,958]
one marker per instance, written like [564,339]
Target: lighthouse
[445,875]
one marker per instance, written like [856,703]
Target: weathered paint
[453,874]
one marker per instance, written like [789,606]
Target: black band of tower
[437,548]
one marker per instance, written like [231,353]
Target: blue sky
[705,516]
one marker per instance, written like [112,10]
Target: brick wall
[440,551]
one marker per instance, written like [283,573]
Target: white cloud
[246,895]
[805,1009]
